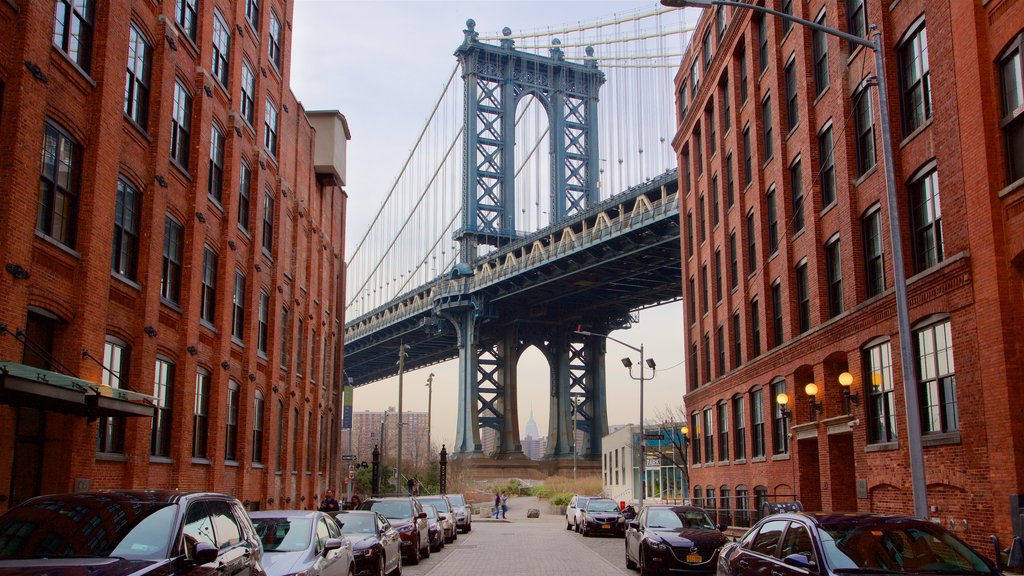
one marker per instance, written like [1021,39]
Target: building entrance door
[29,440]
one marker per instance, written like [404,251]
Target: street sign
[347,457]
[654,436]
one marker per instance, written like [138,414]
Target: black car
[130,532]
[602,516]
[376,547]
[409,519]
[673,540]
[436,531]
[834,544]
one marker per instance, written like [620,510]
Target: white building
[620,468]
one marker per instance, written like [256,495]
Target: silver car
[300,541]
[446,517]
[463,512]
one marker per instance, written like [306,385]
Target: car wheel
[425,551]
[629,562]
[644,569]
[584,531]
[381,567]
[469,527]
[568,525]
[398,566]
[577,527]
[414,556]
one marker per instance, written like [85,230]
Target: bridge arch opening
[532,164]
[533,378]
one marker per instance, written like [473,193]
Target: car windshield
[581,502]
[80,528]
[898,545]
[438,503]
[602,506]
[457,499]
[390,509]
[356,523]
[431,512]
[675,519]
[284,534]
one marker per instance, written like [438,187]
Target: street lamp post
[430,397]
[629,366]
[910,394]
[398,453]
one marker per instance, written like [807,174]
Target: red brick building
[788,268]
[171,230]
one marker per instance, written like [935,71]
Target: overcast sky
[383,63]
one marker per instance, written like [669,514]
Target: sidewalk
[518,506]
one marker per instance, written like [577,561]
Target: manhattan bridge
[539,198]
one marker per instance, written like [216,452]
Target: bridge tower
[496,78]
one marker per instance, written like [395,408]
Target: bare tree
[671,418]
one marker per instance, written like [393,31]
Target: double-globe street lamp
[649,362]
[910,393]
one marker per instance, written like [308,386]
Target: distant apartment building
[367,430]
[794,386]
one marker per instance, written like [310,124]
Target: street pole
[430,396]
[575,408]
[910,392]
[401,371]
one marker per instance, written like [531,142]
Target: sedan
[436,531]
[833,544]
[602,516]
[302,542]
[125,532]
[673,540]
[447,519]
[409,519]
[463,512]
[375,544]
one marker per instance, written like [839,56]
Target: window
[221,48]
[742,60]
[115,374]
[252,13]
[737,340]
[874,268]
[715,205]
[279,449]
[777,313]
[926,221]
[125,255]
[739,425]
[780,440]
[881,407]
[857,17]
[827,173]
[295,440]
[185,16]
[706,50]
[762,39]
[726,106]
[709,436]
[170,276]
[201,415]
[787,8]
[734,264]
[755,328]
[704,288]
[248,107]
[834,272]
[689,234]
[163,390]
[208,291]
[720,345]
[766,118]
[268,222]
[238,307]
[59,181]
[310,442]
[712,134]
[231,436]
[703,221]
[694,381]
[939,412]
[792,110]
[687,177]
[718,275]
[915,80]
[72,30]
[181,125]
[215,184]
[136,90]
[263,328]
[274,46]
[757,423]
[723,431]
[864,124]
[730,192]
[1011,77]
[699,147]
[270,128]
[300,348]
[682,101]
[751,244]
[706,353]
[803,298]
[748,174]
[796,186]
[284,338]
[773,222]
[244,182]
[695,421]
[819,51]
[691,302]
[694,78]
[720,23]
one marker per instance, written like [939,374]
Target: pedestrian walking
[497,505]
[504,505]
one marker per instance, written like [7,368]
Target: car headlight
[620,520]
[658,544]
[406,529]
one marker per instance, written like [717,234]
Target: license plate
[605,526]
[694,558]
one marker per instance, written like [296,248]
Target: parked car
[302,542]
[376,547]
[463,512]
[444,510]
[130,532]
[436,531]
[574,510]
[409,519]
[673,539]
[831,544]
[602,516]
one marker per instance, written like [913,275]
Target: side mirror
[332,544]
[633,524]
[442,517]
[421,515]
[799,561]
[205,553]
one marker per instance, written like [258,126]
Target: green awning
[22,385]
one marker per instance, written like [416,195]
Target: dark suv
[406,515]
[130,532]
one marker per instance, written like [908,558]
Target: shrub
[561,499]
